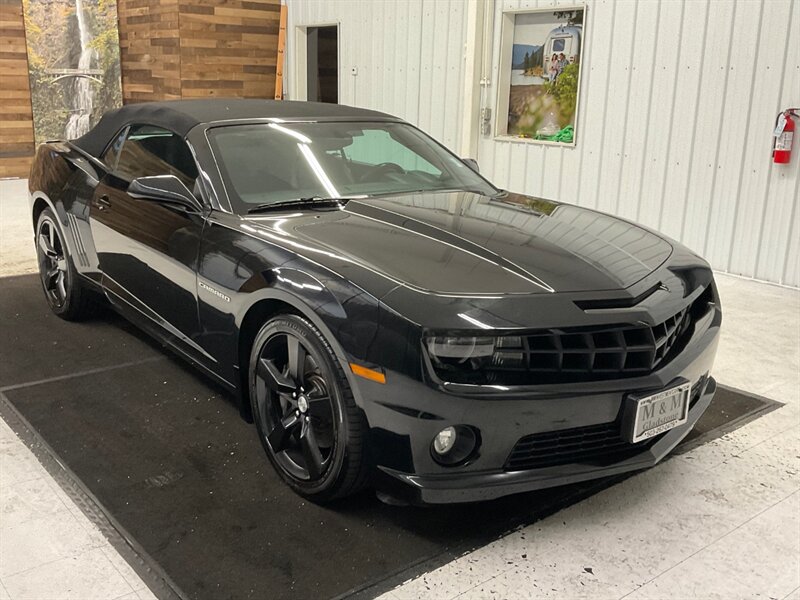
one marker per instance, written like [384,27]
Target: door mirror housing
[165,189]
[472,164]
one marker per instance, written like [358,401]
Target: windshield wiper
[301,202]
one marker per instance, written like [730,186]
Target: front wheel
[303,407]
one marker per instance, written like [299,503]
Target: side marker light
[366,373]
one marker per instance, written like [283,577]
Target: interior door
[322,66]
[147,251]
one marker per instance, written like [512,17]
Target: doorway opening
[322,52]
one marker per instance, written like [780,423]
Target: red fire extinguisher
[784,132]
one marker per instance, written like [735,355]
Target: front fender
[348,315]
[240,287]
[349,328]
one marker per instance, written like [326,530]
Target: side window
[376,146]
[111,154]
[150,150]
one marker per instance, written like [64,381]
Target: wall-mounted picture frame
[540,68]
[73,64]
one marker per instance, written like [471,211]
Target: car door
[147,251]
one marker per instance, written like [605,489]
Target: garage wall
[150,49]
[16,118]
[168,49]
[183,49]
[407,54]
[678,101]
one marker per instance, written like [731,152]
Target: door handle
[102,203]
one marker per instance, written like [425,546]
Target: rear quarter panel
[50,170]
[64,180]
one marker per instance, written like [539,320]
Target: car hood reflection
[467,244]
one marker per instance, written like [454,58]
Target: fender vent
[77,241]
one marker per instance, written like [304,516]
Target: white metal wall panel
[684,118]
[754,172]
[658,128]
[595,94]
[409,57]
[678,99]
[641,63]
[734,120]
[781,218]
[619,75]
[706,133]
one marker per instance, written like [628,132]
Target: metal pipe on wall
[474,62]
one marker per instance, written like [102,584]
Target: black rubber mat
[37,345]
[168,458]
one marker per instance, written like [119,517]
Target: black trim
[617,302]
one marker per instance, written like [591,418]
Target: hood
[462,243]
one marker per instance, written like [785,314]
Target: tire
[65,291]
[303,402]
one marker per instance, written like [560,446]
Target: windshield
[275,162]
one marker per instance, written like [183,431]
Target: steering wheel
[386,167]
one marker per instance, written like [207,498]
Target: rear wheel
[66,293]
[304,411]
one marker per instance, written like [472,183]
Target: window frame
[121,132]
[200,193]
[128,128]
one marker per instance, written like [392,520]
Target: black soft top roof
[180,116]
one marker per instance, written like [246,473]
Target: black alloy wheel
[304,410]
[52,262]
[65,290]
[297,407]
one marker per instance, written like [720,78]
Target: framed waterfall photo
[73,64]
[540,67]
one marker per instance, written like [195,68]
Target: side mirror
[472,164]
[166,189]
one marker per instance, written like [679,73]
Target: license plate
[648,416]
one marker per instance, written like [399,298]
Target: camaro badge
[217,293]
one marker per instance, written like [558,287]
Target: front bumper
[406,414]
[471,487]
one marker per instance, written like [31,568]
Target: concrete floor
[722,521]
[17,253]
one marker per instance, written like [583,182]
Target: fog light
[455,445]
[444,440]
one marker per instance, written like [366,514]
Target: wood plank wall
[16,120]
[169,49]
[149,50]
[229,47]
[198,49]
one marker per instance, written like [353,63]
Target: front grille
[581,354]
[595,445]
[593,354]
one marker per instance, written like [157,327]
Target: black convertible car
[383,313]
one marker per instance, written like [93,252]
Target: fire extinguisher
[783,134]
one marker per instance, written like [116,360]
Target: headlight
[475,353]
[460,349]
